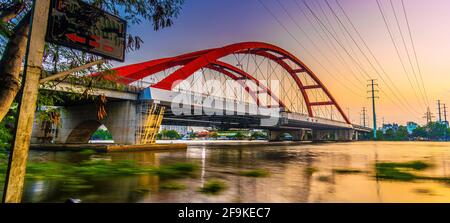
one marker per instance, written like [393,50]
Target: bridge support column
[78,123]
[333,135]
[297,135]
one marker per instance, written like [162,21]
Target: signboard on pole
[78,25]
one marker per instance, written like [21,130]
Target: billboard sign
[78,25]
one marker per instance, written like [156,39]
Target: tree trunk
[11,64]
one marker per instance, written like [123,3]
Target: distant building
[386,127]
[411,126]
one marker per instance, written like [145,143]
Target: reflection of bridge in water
[246,85]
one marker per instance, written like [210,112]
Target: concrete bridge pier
[78,123]
[297,135]
[334,135]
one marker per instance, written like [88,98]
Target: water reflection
[291,178]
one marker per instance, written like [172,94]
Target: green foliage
[5,137]
[168,134]
[213,187]
[239,136]
[402,133]
[380,135]
[420,132]
[172,186]
[259,135]
[101,134]
[7,128]
[399,171]
[436,131]
[77,176]
[177,170]
[432,131]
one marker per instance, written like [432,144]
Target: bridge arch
[83,132]
[187,65]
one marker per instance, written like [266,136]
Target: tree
[171,134]
[15,23]
[259,135]
[401,134]
[239,136]
[437,131]
[389,134]
[420,132]
[101,134]
[380,135]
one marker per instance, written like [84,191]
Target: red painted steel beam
[250,77]
[312,87]
[192,62]
[236,78]
[321,103]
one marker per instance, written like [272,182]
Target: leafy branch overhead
[14,24]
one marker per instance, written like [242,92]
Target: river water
[297,173]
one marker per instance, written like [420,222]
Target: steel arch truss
[186,65]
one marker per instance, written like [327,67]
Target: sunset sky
[213,23]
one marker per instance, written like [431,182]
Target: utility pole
[428,115]
[373,97]
[15,174]
[445,113]
[439,111]
[364,117]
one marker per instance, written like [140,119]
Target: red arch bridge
[250,85]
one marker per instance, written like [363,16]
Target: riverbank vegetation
[433,131]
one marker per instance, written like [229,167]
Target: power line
[329,42]
[346,51]
[374,57]
[414,51]
[306,50]
[312,41]
[395,45]
[407,52]
[365,55]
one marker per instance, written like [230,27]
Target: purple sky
[214,23]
